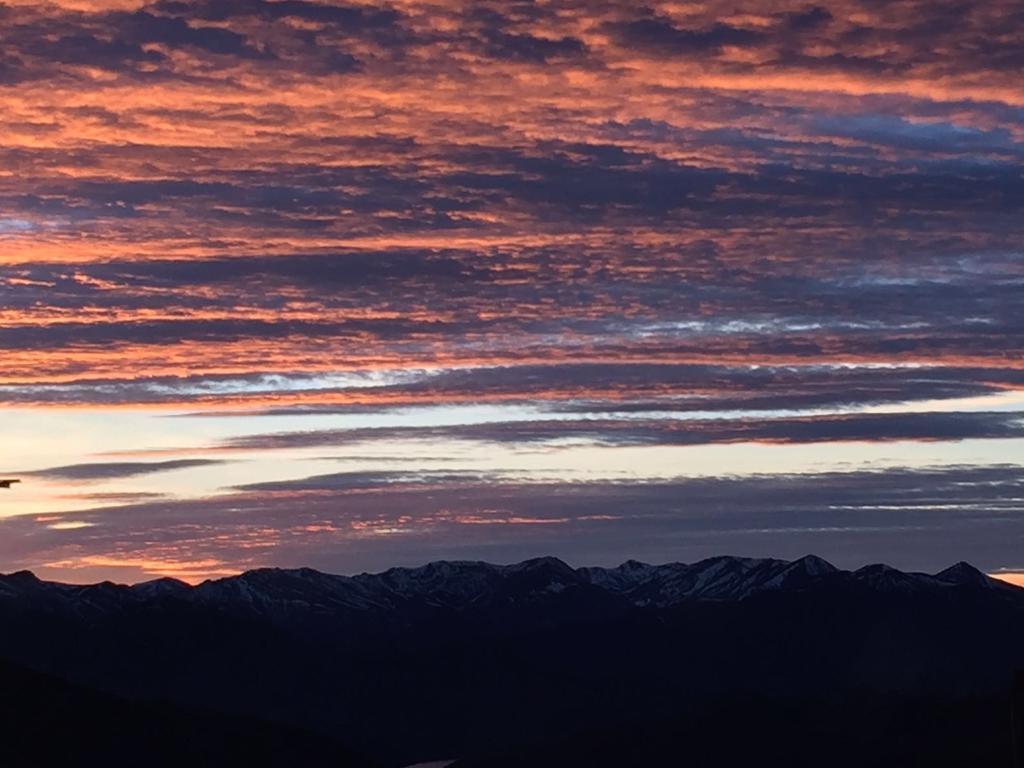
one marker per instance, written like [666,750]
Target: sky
[295,283]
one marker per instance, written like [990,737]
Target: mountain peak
[963,574]
[885,578]
[162,586]
[544,563]
[634,565]
[815,566]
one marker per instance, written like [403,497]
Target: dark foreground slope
[717,663]
[46,721]
[846,731]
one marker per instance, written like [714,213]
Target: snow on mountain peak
[462,585]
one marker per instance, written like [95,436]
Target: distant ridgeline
[721,662]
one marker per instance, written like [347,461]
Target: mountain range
[541,663]
[470,585]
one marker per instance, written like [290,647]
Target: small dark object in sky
[8,483]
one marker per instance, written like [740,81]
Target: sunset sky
[350,286]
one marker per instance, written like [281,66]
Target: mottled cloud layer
[198,186]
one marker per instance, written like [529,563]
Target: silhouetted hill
[46,721]
[851,731]
[477,661]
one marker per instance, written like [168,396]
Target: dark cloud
[146,27]
[659,35]
[518,47]
[718,387]
[564,387]
[814,17]
[343,481]
[117,469]
[608,431]
[340,269]
[87,49]
[938,137]
[968,173]
[351,17]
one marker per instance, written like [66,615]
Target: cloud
[611,431]
[117,470]
[344,481]
[352,17]
[915,519]
[558,387]
[656,34]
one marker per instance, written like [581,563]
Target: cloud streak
[114,470]
[912,518]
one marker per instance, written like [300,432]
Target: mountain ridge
[459,584]
[454,657]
